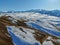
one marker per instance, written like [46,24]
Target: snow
[48,43]
[27,37]
[38,21]
[45,20]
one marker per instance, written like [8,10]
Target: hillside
[29,29]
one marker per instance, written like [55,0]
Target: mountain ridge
[42,11]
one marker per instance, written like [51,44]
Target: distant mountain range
[52,12]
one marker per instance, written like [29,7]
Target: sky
[18,5]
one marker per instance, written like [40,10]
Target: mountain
[52,12]
[41,11]
[29,28]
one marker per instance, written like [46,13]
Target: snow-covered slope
[31,28]
[39,21]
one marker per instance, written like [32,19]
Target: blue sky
[7,5]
